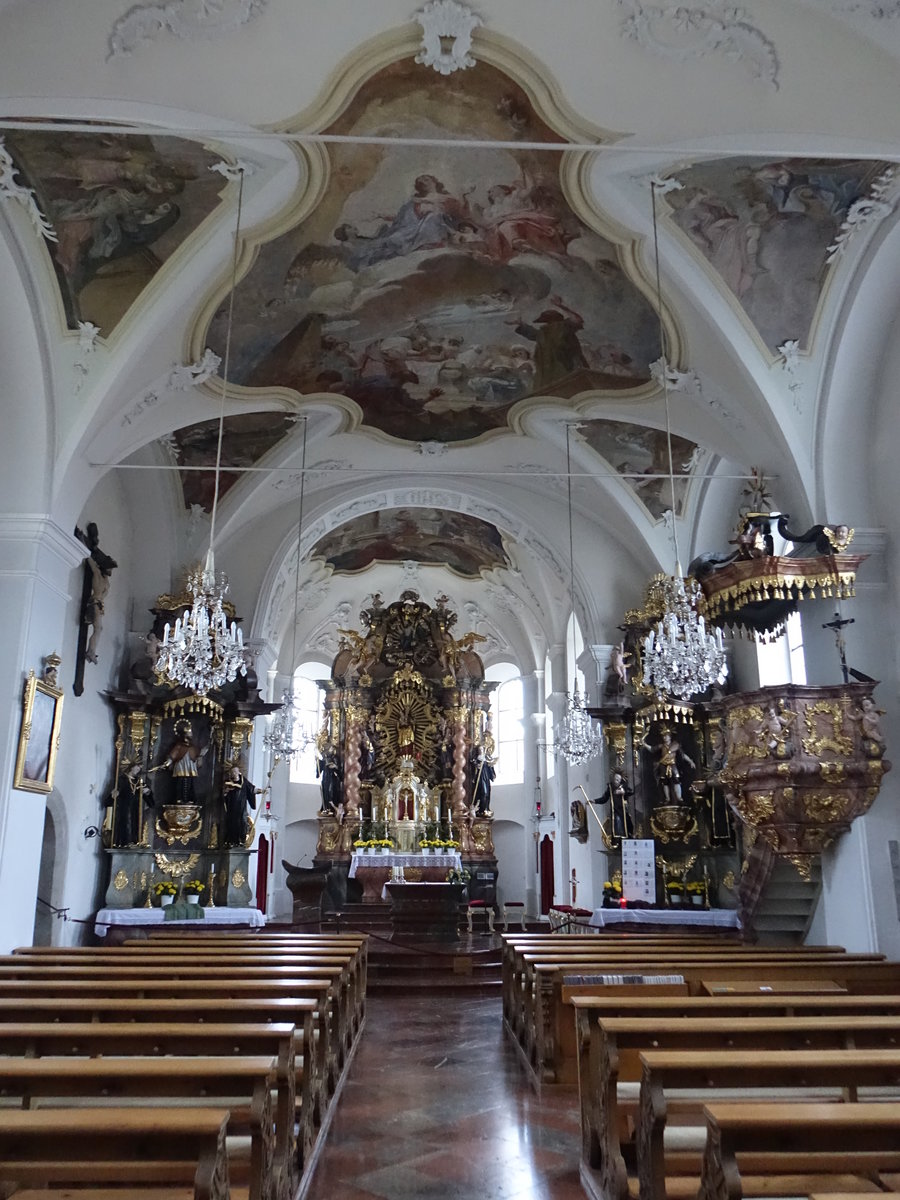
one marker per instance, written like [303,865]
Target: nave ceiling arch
[588,230]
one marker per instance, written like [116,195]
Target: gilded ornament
[756,808]
[829,808]
[120,883]
[137,728]
[825,729]
[238,878]
[176,867]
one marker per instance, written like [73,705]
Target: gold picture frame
[39,736]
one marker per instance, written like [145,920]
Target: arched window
[782,661]
[310,699]
[508,722]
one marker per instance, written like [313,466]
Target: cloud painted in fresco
[465,544]
[765,228]
[245,439]
[636,449]
[435,287]
[120,205]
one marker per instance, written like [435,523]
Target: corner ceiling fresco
[120,205]
[437,288]
[765,227]
[246,438]
[465,544]
[635,450]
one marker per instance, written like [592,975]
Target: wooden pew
[244,1085]
[545,1026]
[792,1071]
[349,992]
[822,1142]
[319,1063]
[124,1149]
[152,1038]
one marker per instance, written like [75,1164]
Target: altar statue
[238,796]
[484,774]
[330,770]
[618,794]
[181,760]
[669,766]
[126,801]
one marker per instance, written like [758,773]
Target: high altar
[406,752]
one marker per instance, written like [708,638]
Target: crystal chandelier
[576,737]
[202,651]
[681,657]
[286,737]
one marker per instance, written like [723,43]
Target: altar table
[375,870]
[428,911]
[716,918]
[130,918]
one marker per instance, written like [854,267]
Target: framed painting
[39,736]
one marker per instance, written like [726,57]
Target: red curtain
[547,887]
[262,872]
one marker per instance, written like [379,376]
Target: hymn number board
[638,869]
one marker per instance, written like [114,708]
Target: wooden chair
[479,908]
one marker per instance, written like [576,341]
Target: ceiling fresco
[246,438]
[437,288]
[465,544]
[635,450]
[120,205]
[765,227]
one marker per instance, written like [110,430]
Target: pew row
[118,1151]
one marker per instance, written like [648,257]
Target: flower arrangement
[675,887]
[695,887]
[458,875]
[372,844]
[448,844]
[194,886]
[429,843]
[165,887]
[612,894]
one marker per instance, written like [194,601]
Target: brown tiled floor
[436,1105]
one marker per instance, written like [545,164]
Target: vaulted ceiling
[443,271]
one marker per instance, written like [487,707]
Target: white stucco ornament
[685,31]
[868,210]
[447,36]
[184,19]
[181,378]
[673,379]
[10,189]
[232,171]
[87,344]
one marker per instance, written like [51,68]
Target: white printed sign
[639,869]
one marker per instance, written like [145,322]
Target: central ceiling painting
[436,286]
[465,544]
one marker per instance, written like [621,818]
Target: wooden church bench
[181,1039]
[187,964]
[543,1026]
[260,1132]
[195,997]
[823,1144]
[123,1149]
[754,1073]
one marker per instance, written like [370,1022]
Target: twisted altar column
[355,720]
[458,808]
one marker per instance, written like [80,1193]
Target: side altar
[406,754]
[180,810]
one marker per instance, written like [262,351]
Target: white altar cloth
[365,859]
[718,918]
[154,916]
